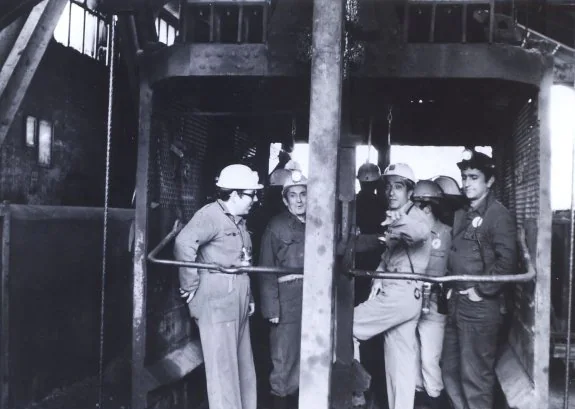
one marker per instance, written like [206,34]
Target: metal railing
[524,277]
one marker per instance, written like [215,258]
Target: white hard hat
[400,169]
[296,179]
[238,177]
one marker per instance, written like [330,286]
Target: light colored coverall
[221,304]
[431,326]
[483,243]
[396,310]
[281,297]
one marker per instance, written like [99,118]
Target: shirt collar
[224,207]
[481,208]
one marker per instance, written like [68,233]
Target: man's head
[477,174]
[427,195]
[294,194]
[399,183]
[238,186]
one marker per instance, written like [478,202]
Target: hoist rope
[111,47]
[369,139]
[389,119]
[570,289]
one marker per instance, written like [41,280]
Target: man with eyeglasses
[222,303]
[281,295]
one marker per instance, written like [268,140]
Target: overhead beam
[317,341]
[8,36]
[23,60]
[10,10]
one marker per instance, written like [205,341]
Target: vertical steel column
[542,256]
[139,294]
[5,317]
[324,130]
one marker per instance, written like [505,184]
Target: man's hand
[392,216]
[275,320]
[187,295]
[376,288]
[251,308]
[472,294]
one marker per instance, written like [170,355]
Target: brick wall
[70,90]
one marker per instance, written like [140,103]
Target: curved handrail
[525,277]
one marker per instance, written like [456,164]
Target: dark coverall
[221,303]
[483,243]
[281,297]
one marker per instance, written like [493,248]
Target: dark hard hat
[279,176]
[448,185]
[472,159]
[427,190]
[368,172]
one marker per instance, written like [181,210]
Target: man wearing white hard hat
[281,295]
[222,303]
[394,306]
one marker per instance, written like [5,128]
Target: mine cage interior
[200,125]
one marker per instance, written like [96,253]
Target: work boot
[280,402]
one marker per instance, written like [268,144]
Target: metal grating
[520,192]
[178,181]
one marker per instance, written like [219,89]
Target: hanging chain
[389,120]
[111,46]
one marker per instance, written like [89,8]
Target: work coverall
[431,326]
[396,310]
[483,243]
[281,297]
[221,303]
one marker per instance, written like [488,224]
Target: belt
[289,277]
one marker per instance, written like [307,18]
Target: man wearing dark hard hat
[222,303]
[281,295]
[483,243]
[394,306]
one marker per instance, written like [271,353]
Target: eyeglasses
[251,195]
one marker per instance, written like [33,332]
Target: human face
[245,201]
[474,184]
[295,199]
[396,192]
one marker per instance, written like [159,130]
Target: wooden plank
[22,62]
[139,294]
[542,261]
[324,131]
[5,323]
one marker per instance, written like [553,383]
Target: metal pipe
[570,290]
[508,278]
[226,270]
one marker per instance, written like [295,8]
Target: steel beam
[140,289]
[22,62]
[8,36]
[5,316]
[473,61]
[317,346]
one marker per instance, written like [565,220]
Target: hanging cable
[389,119]
[111,47]
[369,139]
[570,289]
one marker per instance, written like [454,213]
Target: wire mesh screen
[519,191]
[181,142]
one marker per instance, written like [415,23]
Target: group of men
[439,352]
